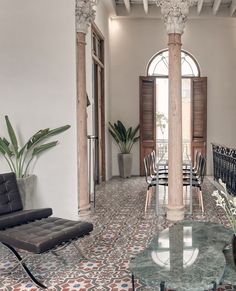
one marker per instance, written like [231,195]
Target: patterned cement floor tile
[121,230]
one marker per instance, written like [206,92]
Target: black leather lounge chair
[32,230]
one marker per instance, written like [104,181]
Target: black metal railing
[224,165]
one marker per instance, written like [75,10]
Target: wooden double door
[198,117]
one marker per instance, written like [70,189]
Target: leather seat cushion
[24,216]
[42,235]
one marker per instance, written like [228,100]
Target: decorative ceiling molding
[216,6]
[127,5]
[232,7]
[145,6]
[84,14]
[175,14]
[202,9]
[199,6]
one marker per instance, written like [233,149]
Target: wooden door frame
[100,63]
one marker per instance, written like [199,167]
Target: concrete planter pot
[125,165]
[27,189]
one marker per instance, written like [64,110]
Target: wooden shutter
[199,115]
[147,86]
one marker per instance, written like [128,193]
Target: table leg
[133,288]
[214,286]
[162,286]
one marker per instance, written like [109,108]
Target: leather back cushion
[23,216]
[10,199]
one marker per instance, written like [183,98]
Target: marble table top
[187,257]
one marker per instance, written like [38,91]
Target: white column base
[175,213]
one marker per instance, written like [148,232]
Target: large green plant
[19,159]
[125,138]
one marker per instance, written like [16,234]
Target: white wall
[38,90]
[211,41]
[102,22]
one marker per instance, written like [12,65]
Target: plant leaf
[114,136]
[129,131]
[37,137]
[12,135]
[134,132]
[115,131]
[136,139]
[6,141]
[43,134]
[118,132]
[22,150]
[43,147]
[5,148]
[58,130]
[122,130]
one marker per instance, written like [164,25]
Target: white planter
[125,165]
[27,189]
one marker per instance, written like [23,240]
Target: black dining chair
[151,179]
[197,180]
[155,176]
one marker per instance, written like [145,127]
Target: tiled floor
[121,230]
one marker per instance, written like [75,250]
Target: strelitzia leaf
[6,141]
[12,135]
[115,131]
[122,129]
[2,151]
[43,134]
[134,132]
[129,131]
[58,130]
[37,137]
[114,136]
[5,148]
[22,150]
[136,139]
[38,150]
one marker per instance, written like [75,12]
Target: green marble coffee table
[185,257]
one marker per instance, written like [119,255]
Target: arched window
[158,65]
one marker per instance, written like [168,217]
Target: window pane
[159,65]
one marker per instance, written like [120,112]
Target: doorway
[162,96]
[154,106]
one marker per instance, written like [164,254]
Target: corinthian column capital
[175,14]
[85,14]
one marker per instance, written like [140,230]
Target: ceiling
[148,8]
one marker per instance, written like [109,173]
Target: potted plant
[125,139]
[19,158]
[228,202]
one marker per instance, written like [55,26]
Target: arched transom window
[158,65]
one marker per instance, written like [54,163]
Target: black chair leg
[214,286]
[25,268]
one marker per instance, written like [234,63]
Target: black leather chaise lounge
[32,230]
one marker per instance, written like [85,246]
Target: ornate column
[175,15]
[85,14]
